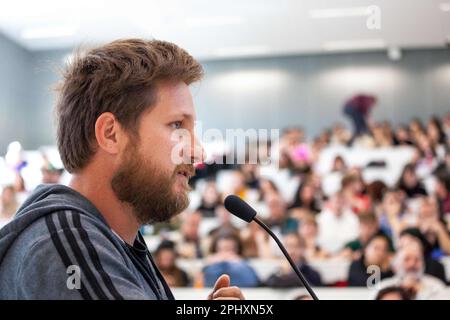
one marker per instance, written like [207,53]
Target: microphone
[242,210]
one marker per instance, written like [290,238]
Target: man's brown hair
[119,77]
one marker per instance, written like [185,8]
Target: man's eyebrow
[184,115]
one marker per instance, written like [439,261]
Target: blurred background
[360,91]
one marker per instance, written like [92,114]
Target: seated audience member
[368,227]
[424,159]
[393,213]
[278,218]
[267,187]
[294,154]
[409,272]
[432,266]
[8,205]
[393,293]
[416,128]
[305,198]
[190,244]
[409,183]
[256,242]
[286,277]
[50,174]
[339,165]
[435,132]
[165,258]
[402,136]
[337,225]
[226,257]
[432,227]
[352,191]
[308,230]
[376,253]
[301,158]
[210,200]
[443,195]
[375,191]
[251,175]
[446,126]
[443,168]
[382,135]
[224,223]
[340,135]
[320,143]
[291,138]
[238,185]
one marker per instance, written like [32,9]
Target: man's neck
[117,214]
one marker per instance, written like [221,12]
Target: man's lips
[186,172]
[183,173]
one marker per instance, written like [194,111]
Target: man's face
[392,296]
[308,229]
[276,207]
[376,251]
[294,247]
[410,261]
[307,193]
[190,226]
[429,209]
[147,177]
[406,240]
[166,259]
[410,178]
[227,245]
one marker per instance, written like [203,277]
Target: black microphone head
[239,208]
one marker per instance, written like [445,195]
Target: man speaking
[117,110]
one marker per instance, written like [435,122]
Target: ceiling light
[445,6]
[251,79]
[48,32]
[338,12]
[354,45]
[394,53]
[213,21]
[242,51]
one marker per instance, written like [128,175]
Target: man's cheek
[177,153]
[166,162]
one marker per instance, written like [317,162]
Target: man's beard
[408,274]
[147,189]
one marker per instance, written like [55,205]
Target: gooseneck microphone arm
[288,257]
[242,210]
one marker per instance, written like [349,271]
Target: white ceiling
[211,29]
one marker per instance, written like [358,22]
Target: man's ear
[108,133]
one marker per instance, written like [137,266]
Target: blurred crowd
[393,237]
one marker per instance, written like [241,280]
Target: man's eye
[176,124]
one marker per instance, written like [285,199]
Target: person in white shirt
[337,225]
[410,274]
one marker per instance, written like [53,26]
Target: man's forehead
[180,111]
[175,99]
[412,252]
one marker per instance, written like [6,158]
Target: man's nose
[197,152]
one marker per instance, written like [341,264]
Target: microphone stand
[280,245]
